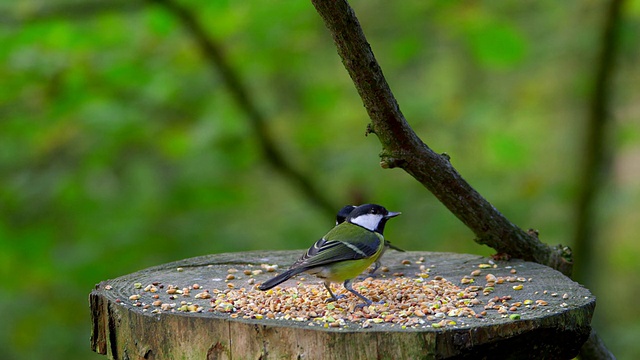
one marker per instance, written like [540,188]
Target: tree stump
[502,309]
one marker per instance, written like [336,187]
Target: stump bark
[127,325]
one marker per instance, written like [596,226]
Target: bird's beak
[392,214]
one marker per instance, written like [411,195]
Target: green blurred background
[122,148]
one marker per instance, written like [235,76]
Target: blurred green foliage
[120,147]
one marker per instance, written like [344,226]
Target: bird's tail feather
[276,280]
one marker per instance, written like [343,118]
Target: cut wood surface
[134,316]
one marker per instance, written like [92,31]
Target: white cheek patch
[368,221]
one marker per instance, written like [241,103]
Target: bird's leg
[333,297]
[347,285]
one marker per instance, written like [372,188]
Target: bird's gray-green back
[344,242]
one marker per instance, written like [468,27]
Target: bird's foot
[335,298]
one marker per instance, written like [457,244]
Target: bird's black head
[344,213]
[371,216]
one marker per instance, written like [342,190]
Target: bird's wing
[350,243]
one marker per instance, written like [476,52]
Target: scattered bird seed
[406,301]
[488,289]
[203,295]
[466,280]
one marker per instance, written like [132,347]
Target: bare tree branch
[214,54]
[401,147]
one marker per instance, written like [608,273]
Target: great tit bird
[342,216]
[344,252]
